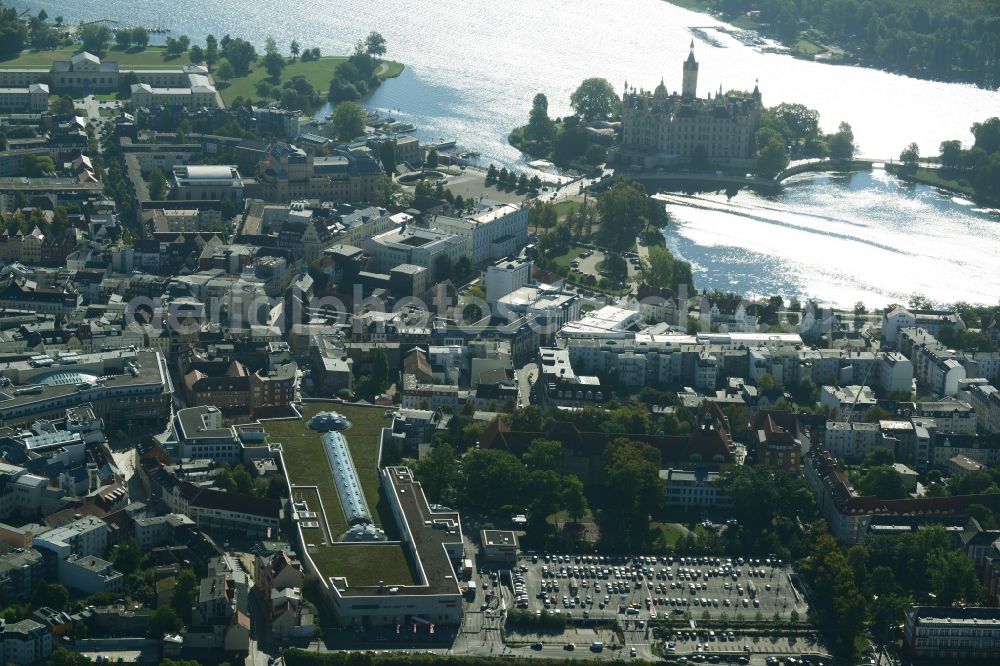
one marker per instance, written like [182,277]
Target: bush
[526,619]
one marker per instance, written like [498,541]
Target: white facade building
[494,230]
[505,276]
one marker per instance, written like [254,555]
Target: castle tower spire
[690,81]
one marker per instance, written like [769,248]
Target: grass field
[365,564]
[318,72]
[808,47]
[565,206]
[151,57]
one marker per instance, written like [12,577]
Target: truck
[751,589]
[470,589]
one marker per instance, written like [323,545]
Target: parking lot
[587,263]
[588,587]
[692,643]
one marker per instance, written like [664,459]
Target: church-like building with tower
[661,128]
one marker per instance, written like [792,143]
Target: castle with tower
[665,128]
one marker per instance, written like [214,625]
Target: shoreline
[741,22]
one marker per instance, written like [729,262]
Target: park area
[317,72]
[307,465]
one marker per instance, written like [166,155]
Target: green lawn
[318,72]
[308,466]
[365,564]
[808,47]
[671,534]
[151,57]
[565,206]
[935,178]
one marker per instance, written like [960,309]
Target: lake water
[473,68]
[841,238]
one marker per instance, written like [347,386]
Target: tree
[772,158]
[34,166]
[294,49]
[211,50]
[634,487]
[164,621]
[595,99]
[95,37]
[157,184]
[273,62]
[953,579]
[127,557]
[951,154]
[801,122]
[573,498]
[375,45]
[987,135]
[173,47]
[616,267]
[880,456]
[51,595]
[13,32]
[883,482]
[140,37]
[432,159]
[123,38]
[839,604]
[63,657]
[910,155]
[62,106]
[349,120]
[387,190]
[493,480]
[626,210]
[540,127]
[197,54]
[227,208]
[185,594]
[225,71]
[543,454]
[596,154]
[842,143]
[876,414]
[439,474]
[240,54]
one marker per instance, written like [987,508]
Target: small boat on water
[442,144]
[541,164]
[401,128]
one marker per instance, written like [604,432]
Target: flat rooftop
[499,538]
[430,532]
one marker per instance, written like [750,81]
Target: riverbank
[936,178]
[810,33]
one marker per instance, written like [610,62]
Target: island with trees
[974,171]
